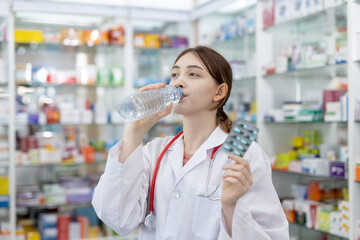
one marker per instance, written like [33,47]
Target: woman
[242,206]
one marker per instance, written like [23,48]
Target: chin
[178,109]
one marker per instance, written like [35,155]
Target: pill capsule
[227,147]
[237,130]
[237,153]
[241,148]
[243,142]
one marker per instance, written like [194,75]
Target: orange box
[72,37]
[314,191]
[88,152]
[357,173]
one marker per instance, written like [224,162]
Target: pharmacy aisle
[64,66]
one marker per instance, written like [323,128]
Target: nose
[179,83]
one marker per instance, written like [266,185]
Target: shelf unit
[332,236]
[231,31]
[255,80]
[275,137]
[173,24]
[308,175]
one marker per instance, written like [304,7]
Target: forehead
[189,59]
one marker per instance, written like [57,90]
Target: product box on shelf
[117,36]
[338,169]
[316,166]
[298,8]
[28,36]
[268,13]
[72,37]
[323,220]
[4,201]
[54,194]
[357,172]
[314,6]
[289,209]
[332,3]
[282,11]
[4,185]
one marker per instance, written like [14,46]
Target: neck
[197,128]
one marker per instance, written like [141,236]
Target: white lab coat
[121,196]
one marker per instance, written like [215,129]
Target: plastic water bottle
[144,104]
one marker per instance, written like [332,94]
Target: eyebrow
[189,66]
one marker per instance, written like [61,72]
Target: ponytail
[223,120]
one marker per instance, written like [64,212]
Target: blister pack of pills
[240,137]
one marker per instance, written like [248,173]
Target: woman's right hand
[143,125]
[135,131]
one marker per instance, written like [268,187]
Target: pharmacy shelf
[309,175]
[129,237]
[315,71]
[59,164]
[36,85]
[300,20]
[244,80]
[4,164]
[56,205]
[316,230]
[304,122]
[69,124]
[234,41]
[59,46]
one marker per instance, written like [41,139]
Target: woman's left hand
[237,181]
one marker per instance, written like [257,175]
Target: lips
[183,96]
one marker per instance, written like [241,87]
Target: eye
[174,75]
[193,75]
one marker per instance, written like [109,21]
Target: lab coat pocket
[206,214]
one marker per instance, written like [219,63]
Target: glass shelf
[309,175]
[244,80]
[69,124]
[302,122]
[4,164]
[58,164]
[59,46]
[235,41]
[55,205]
[302,19]
[66,85]
[316,230]
[318,71]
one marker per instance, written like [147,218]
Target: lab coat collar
[176,153]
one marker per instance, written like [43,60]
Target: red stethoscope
[150,219]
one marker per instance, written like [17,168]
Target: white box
[282,11]
[316,166]
[298,8]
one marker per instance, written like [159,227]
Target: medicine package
[240,138]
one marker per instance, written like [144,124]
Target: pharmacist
[182,187]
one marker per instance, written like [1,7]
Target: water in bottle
[144,104]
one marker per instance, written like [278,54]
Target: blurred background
[64,66]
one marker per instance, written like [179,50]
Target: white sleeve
[120,198]
[258,214]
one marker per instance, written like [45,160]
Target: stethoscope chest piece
[150,221]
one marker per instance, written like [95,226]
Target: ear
[221,92]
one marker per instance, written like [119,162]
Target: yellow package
[28,36]
[4,186]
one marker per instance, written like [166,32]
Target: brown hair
[220,70]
